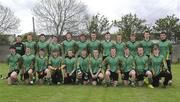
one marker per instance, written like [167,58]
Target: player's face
[54,39]
[68,36]
[107,36]
[55,54]
[41,53]
[95,53]
[119,38]
[82,38]
[113,52]
[70,53]
[28,50]
[126,52]
[29,38]
[162,36]
[18,39]
[42,38]
[132,38]
[140,51]
[12,51]
[83,53]
[93,36]
[146,35]
[156,52]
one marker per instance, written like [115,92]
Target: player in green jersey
[142,68]
[28,66]
[158,67]
[13,63]
[54,65]
[69,66]
[68,44]
[83,72]
[95,67]
[41,67]
[42,44]
[166,50]
[147,44]
[30,44]
[93,44]
[54,45]
[120,45]
[113,70]
[133,44]
[82,44]
[128,68]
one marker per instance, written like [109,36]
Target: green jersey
[42,45]
[54,46]
[95,64]
[147,46]
[70,64]
[28,61]
[141,64]
[127,63]
[132,47]
[165,49]
[41,63]
[81,45]
[106,46]
[94,45]
[13,61]
[120,48]
[113,63]
[31,45]
[55,61]
[83,64]
[68,45]
[157,64]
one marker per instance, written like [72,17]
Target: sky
[150,10]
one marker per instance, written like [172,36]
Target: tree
[98,24]
[169,24]
[8,21]
[130,24]
[56,16]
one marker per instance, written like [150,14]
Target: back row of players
[93,61]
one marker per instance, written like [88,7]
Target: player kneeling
[69,68]
[13,62]
[55,62]
[83,74]
[43,72]
[96,68]
[112,72]
[128,68]
[141,67]
[28,66]
[159,68]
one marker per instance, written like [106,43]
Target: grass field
[79,93]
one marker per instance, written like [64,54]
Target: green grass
[79,93]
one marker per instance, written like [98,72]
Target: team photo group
[89,61]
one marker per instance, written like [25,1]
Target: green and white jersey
[106,47]
[141,64]
[28,61]
[13,61]
[31,45]
[71,64]
[95,64]
[165,49]
[83,64]
[55,46]
[147,46]
[55,61]
[41,63]
[42,45]
[120,46]
[128,63]
[81,45]
[113,63]
[94,45]
[157,64]
[133,47]
[68,45]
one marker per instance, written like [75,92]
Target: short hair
[41,50]
[12,47]
[133,34]
[41,35]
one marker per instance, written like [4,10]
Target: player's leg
[107,77]
[132,74]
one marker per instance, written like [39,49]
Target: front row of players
[93,68]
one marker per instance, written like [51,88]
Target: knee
[149,74]
[107,73]
[30,72]
[13,75]
[100,76]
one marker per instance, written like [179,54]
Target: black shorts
[16,70]
[114,76]
[94,79]
[126,75]
[41,74]
[26,75]
[86,76]
[70,79]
